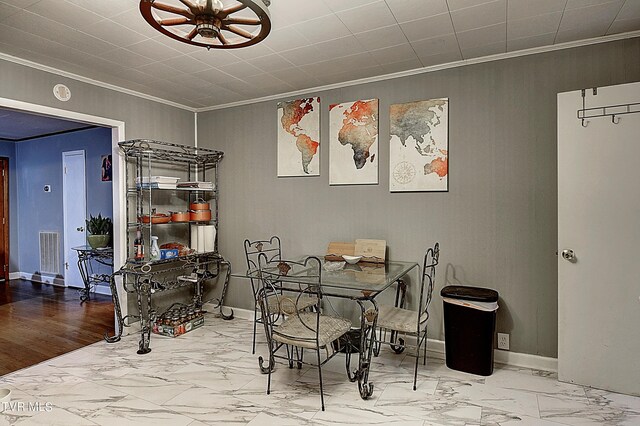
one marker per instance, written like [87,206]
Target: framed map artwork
[299,137]
[419,146]
[353,143]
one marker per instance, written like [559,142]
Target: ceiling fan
[214,24]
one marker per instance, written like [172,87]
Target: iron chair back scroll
[272,250]
[286,287]
[398,321]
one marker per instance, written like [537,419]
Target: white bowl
[351,260]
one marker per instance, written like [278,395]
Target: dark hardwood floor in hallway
[40,321]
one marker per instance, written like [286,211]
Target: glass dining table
[360,283]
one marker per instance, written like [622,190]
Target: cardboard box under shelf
[177,330]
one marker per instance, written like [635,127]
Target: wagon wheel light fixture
[214,24]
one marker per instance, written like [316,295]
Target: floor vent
[49,253]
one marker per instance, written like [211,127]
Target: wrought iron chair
[288,325]
[399,321]
[272,249]
[273,252]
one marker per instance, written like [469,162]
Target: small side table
[87,255]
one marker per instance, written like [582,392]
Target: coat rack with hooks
[613,111]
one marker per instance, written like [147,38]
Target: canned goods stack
[178,320]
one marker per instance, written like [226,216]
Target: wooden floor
[40,321]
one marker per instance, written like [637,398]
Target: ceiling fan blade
[193,33]
[175,21]
[172,9]
[242,21]
[239,31]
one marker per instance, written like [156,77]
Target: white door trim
[119,184]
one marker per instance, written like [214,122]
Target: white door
[74,202]
[599,219]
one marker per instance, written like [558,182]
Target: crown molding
[278,96]
[423,70]
[77,77]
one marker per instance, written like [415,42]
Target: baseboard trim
[435,349]
[238,313]
[102,289]
[519,359]
[515,359]
[39,278]
[44,279]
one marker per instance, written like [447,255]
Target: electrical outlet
[503,341]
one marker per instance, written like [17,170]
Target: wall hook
[613,119]
[584,123]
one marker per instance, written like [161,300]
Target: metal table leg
[367,342]
[83,268]
[118,312]
[224,290]
[145,317]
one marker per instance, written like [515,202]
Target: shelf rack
[146,277]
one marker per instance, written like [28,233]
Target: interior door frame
[5,226]
[65,230]
[119,184]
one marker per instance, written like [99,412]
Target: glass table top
[338,277]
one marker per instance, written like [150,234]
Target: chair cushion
[293,330]
[398,319]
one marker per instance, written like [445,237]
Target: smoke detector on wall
[61,92]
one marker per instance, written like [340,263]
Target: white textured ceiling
[312,43]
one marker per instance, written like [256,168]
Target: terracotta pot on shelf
[199,204]
[180,217]
[200,215]
[155,218]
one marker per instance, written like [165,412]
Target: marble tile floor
[209,376]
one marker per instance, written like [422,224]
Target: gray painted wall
[497,225]
[143,118]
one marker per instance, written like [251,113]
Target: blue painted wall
[8,150]
[39,163]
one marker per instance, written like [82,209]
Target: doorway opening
[39,283]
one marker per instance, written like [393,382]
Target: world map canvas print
[353,143]
[299,137]
[419,146]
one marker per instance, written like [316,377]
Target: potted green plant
[100,230]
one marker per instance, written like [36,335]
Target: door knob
[568,254]
[81,229]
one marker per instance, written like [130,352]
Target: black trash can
[469,328]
